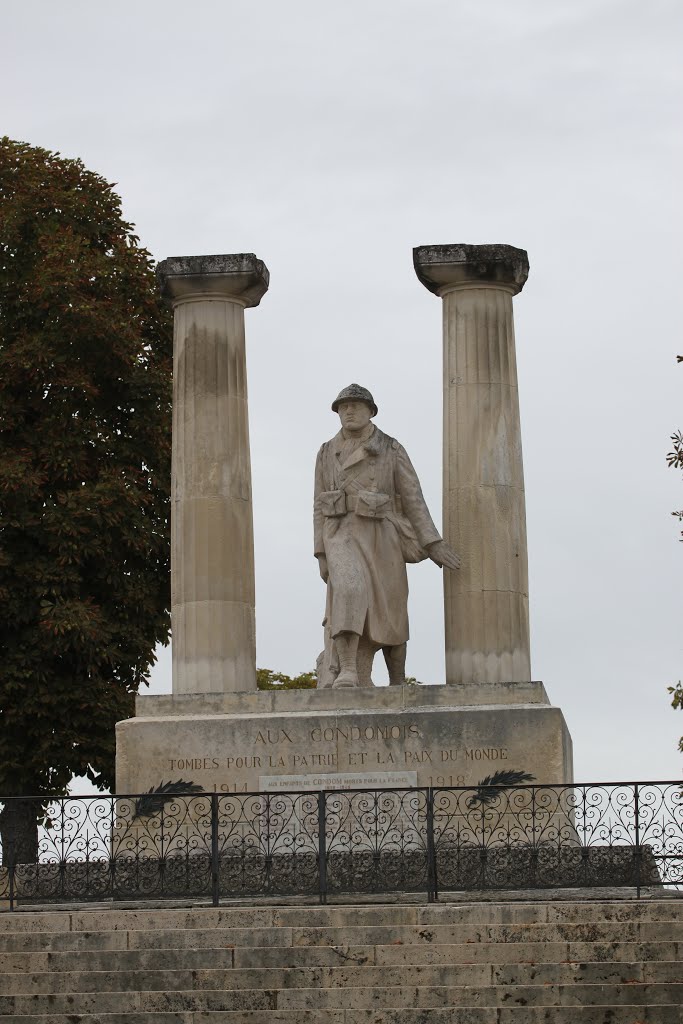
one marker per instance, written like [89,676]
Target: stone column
[212,533]
[486,602]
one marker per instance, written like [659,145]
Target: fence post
[432,892]
[162,855]
[62,858]
[10,878]
[636,797]
[215,887]
[322,848]
[113,847]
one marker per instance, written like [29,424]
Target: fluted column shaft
[486,602]
[212,541]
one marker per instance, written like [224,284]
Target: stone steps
[108,919]
[186,976]
[289,957]
[382,935]
[340,998]
[625,1014]
[598,963]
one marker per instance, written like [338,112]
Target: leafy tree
[85,425]
[266,679]
[674,459]
[269,680]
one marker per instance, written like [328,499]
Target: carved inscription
[273,736]
[347,780]
[365,732]
[304,749]
[486,754]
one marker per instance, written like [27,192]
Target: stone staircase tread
[112,1018]
[456,932]
[360,935]
[148,979]
[322,955]
[501,953]
[451,934]
[625,1014]
[352,997]
[274,916]
[145,977]
[442,933]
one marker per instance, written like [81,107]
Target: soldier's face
[354,415]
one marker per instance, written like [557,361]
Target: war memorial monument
[216,731]
[351,854]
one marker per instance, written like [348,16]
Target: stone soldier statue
[370,518]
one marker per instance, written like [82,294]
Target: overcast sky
[331,138]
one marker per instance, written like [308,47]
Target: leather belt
[352,503]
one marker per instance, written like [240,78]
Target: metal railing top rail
[33,797]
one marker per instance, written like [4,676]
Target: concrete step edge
[125,960]
[335,975]
[279,957]
[357,997]
[658,986]
[654,1012]
[544,912]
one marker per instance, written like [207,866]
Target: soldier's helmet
[355,393]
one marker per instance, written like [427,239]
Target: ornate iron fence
[329,843]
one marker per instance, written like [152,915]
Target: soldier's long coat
[367,591]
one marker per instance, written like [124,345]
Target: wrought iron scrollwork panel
[165,844]
[376,840]
[268,843]
[660,815]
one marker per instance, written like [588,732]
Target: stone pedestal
[212,544]
[486,602]
[347,739]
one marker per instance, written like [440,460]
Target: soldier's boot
[395,658]
[366,655]
[347,652]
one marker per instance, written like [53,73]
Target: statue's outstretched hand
[444,555]
[322,568]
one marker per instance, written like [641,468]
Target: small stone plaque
[341,780]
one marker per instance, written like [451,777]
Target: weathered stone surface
[244,277]
[440,267]
[154,926]
[486,602]
[366,964]
[439,974]
[388,698]
[212,546]
[403,728]
[392,965]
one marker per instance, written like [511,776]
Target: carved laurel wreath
[154,799]
[489,788]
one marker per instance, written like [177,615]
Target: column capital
[237,277]
[442,268]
